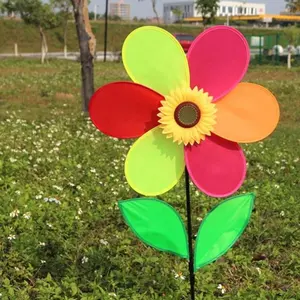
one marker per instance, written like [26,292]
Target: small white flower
[17,269]
[178,275]
[277,186]
[42,244]
[79,212]
[59,188]
[38,197]
[43,261]
[258,270]
[12,160]
[79,166]
[14,213]
[49,225]
[222,288]
[93,170]
[84,260]
[27,215]
[11,237]
[282,213]
[104,242]
[112,295]
[18,192]
[90,201]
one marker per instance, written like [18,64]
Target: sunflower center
[187,114]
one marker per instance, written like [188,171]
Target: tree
[292,34]
[178,13]
[208,10]
[36,13]
[87,46]
[293,6]
[65,13]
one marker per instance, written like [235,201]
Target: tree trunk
[44,45]
[289,60]
[87,48]
[65,38]
[155,11]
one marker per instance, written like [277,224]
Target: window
[245,10]
[240,10]
[223,9]
[230,9]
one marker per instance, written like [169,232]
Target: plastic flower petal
[249,113]
[154,164]
[218,60]
[153,57]
[216,166]
[125,109]
[183,111]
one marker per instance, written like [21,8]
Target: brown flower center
[187,114]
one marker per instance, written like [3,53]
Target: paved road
[110,56]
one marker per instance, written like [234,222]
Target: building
[226,8]
[120,9]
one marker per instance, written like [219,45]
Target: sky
[143,9]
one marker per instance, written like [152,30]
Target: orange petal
[247,114]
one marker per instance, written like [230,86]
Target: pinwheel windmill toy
[189,113]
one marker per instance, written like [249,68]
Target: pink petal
[216,166]
[218,60]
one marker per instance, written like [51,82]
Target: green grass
[81,248]
[28,39]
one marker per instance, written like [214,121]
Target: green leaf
[221,228]
[157,224]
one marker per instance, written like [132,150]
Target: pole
[190,234]
[105,30]
[227,23]
[95,12]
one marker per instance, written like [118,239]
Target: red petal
[216,166]
[125,109]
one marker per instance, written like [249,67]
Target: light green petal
[154,164]
[154,58]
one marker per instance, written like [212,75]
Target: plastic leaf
[221,228]
[157,224]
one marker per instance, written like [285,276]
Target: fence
[272,49]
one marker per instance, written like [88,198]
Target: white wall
[187,8]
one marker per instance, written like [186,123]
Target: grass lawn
[62,235]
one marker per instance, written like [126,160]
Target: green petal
[221,228]
[154,58]
[157,224]
[154,163]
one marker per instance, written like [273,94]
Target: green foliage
[28,38]
[293,5]
[208,10]
[33,12]
[292,34]
[178,13]
[82,248]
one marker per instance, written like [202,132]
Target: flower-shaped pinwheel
[185,110]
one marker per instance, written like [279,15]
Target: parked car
[185,40]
